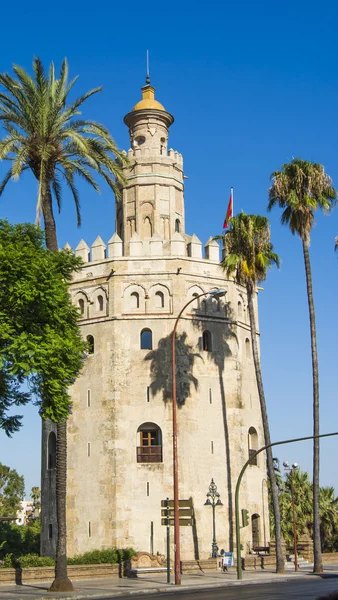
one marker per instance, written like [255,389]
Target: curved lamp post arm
[175,453]
[240,476]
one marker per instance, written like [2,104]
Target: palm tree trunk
[61,582]
[48,217]
[271,472]
[317,551]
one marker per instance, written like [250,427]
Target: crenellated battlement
[178,245]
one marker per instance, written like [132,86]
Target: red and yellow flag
[229,212]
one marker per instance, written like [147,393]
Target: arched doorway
[255,526]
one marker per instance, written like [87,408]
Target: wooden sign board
[181,503]
[183,512]
[182,522]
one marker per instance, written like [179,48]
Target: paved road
[294,590]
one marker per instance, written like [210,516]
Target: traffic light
[245,517]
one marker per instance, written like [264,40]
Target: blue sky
[251,85]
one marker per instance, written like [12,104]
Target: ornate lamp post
[291,471]
[215,501]
[215,293]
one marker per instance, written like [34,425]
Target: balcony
[149,454]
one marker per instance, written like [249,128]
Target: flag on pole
[229,212]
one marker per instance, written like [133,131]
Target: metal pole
[240,476]
[294,521]
[168,543]
[214,545]
[175,449]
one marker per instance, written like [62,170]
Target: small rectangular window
[147,488]
[89,529]
[210,396]
[88,449]
[148,393]
[88,398]
[212,447]
[50,531]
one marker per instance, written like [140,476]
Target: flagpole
[232,195]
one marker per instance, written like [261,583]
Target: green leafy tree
[40,341]
[43,134]
[12,491]
[11,395]
[299,189]
[249,254]
[19,540]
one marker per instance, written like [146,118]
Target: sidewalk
[98,588]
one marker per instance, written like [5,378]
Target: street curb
[176,589]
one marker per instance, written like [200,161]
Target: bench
[146,570]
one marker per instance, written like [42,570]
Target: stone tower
[129,294]
[152,202]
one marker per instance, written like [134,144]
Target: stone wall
[20,576]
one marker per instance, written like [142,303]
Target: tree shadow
[222,328]
[160,369]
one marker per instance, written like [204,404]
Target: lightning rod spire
[148,72]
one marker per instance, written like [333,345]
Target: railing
[252,458]
[149,454]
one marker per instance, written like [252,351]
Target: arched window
[81,305]
[239,309]
[197,303]
[90,341]
[247,348]
[149,444]
[100,303]
[207,342]
[253,445]
[148,229]
[146,339]
[159,300]
[134,300]
[51,451]
[177,226]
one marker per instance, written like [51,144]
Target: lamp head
[217,293]
[207,502]
[219,502]
[294,465]
[286,464]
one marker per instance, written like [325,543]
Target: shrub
[33,560]
[95,557]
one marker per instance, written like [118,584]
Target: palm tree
[328,517]
[249,254]
[35,495]
[43,134]
[300,188]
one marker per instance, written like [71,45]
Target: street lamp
[218,293]
[291,471]
[215,501]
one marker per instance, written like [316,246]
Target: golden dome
[148,100]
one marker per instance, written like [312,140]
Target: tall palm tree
[43,134]
[249,254]
[300,188]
